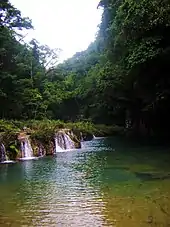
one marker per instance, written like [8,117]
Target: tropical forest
[85,141]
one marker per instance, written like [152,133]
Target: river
[109,182]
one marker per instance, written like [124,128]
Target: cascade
[57,143]
[26,149]
[3,157]
[69,144]
[98,138]
[63,142]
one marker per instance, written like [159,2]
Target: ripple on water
[95,186]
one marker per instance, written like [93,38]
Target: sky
[67,24]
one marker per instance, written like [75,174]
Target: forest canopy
[122,78]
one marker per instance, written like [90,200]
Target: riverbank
[27,139]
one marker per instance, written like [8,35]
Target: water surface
[109,182]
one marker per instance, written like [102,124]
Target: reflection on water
[107,183]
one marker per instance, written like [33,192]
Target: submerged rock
[152,176]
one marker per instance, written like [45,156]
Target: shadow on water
[152,176]
[134,181]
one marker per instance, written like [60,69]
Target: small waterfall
[57,146]
[69,144]
[3,157]
[98,138]
[26,149]
[63,142]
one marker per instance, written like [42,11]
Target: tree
[11,18]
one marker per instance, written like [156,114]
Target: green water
[109,182]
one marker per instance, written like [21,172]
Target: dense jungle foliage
[122,78]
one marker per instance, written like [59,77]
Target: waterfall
[63,142]
[57,146]
[94,137]
[69,142]
[3,157]
[26,149]
[98,138]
